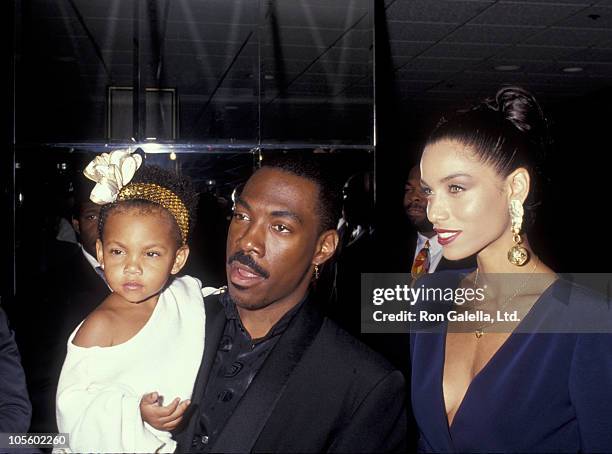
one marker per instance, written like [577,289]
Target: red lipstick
[447,236]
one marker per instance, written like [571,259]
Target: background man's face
[86,225]
[272,239]
[415,202]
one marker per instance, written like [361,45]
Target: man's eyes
[281,228]
[240,216]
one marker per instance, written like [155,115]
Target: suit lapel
[215,322]
[248,420]
[92,280]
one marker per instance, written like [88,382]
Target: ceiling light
[507,67]
[151,147]
[573,69]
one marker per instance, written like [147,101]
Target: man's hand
[162,418]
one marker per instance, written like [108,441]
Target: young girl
[145,341]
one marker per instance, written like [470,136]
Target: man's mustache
[247,260]
[418,205]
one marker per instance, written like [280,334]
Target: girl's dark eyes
[153,254]
[116,251]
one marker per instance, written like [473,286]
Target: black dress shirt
[237,361]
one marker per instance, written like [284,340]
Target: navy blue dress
[540,392]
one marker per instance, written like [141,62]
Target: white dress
[100,388]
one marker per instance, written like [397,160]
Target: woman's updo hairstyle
[506,132]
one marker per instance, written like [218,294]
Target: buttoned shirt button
[204,439]
[225,396]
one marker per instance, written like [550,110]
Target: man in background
[51,305]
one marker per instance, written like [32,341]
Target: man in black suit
[15,408]
[87,286]
[71,287]
[276,375]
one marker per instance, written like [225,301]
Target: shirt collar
[90,258]
[231,313]
[434,246]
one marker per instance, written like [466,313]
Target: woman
[493,385]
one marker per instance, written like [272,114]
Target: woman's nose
[436,210]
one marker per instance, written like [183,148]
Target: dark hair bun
[519,107]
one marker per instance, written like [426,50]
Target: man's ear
[326,246]
[518,184]
[99,253]
[180,259]
[76,226]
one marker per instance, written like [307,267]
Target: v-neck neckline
[484,369]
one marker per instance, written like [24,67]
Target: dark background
[362,81]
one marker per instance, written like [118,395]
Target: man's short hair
[329,206]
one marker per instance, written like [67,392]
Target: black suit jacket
[49,311]
[15,408]
[319,390]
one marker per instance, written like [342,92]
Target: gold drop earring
[517,255]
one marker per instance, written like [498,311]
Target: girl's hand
[162,418]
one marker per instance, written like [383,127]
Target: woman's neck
[494,266]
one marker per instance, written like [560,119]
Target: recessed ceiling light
[573,69]
[507,67]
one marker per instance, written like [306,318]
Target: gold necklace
[479,332]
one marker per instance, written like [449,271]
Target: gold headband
[162,196]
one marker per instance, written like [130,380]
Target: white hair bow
[111,171]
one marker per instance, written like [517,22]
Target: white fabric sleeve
[101,416]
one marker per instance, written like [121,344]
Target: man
[85,223]
[276,375]
[15,408]
[83,285]
[427,252]
[71,288]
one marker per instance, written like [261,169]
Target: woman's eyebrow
[455,175]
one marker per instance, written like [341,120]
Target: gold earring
[316,272]
[517,255]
